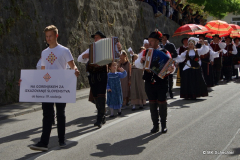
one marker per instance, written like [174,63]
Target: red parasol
[203,30]
[232,34]
[235,27]
[186,29]
[235,34]
[218,27]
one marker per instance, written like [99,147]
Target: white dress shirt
[80,59]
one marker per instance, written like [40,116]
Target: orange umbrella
[203,30]
[210,35]
[218,27]
[232,34]
[186,29]
[235,34]
[235,27]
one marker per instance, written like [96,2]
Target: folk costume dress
[138,94]
[115,97]
[228,61]
[125,81]
[207,67]
[236,61]
[217,66]
[192,83]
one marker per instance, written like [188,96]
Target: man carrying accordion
[101,52]
[156,88]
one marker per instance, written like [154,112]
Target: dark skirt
[193,84]
[207,70]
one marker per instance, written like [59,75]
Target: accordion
[104,51]
[158,62]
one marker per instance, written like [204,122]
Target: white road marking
[229,143]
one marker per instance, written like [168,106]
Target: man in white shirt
[56,57]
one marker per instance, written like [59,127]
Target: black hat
[156,34]
[216,35]
[98,33]
[167,35]
[236,39]
[184,39]
[228,37]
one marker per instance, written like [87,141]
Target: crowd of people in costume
[200,64]
[176,11]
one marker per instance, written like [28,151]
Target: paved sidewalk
[16,109]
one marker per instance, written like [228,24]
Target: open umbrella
[186,29]
[232,34]
[218,27]
[203,30]
[235,34]
[235,27]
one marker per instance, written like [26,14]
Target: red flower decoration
[159,34]
[196,59]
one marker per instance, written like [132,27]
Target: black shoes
[103,120]
[164,130]
[98,124]
[119,113]
[155,129]
[62,144]
[171,94]
[39,147]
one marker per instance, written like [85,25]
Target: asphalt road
[207,128]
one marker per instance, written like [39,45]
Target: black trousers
[98,83]
[157,99]
[157,91]
[48,116]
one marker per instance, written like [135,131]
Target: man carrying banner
[57,57]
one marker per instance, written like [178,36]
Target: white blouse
[203,50]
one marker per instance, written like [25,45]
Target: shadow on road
[130,146]
[184,103]
[236,152]
[38,154]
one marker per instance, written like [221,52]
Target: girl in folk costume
[236,58]
[114,91]
[228,59]
[192,83]
[207,62]
[138,94]
[125,82]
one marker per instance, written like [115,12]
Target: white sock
[133,106]
[112,111]
[119,110]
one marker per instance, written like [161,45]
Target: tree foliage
[218,8]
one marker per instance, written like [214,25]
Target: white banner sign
[48,86]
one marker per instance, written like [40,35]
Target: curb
[34,110]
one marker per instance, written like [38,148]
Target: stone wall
[22,39]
